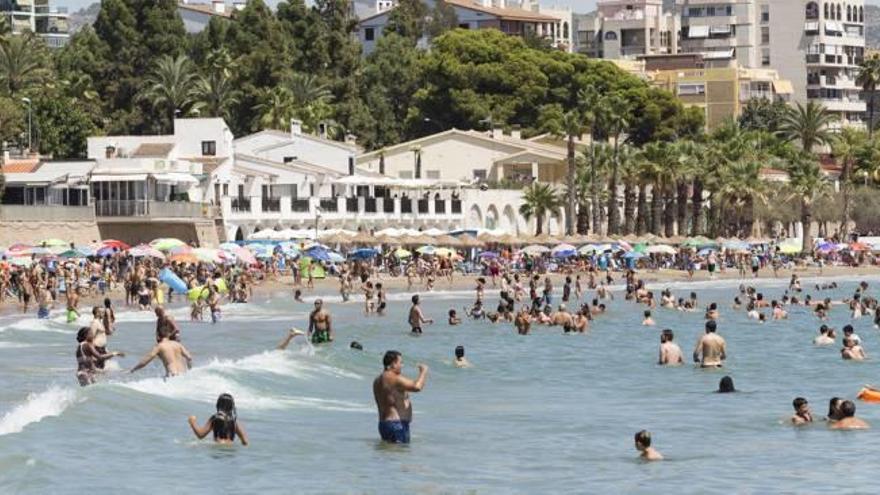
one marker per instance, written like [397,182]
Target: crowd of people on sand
[527,299]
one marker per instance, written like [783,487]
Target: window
[839,12]
[765,13]
[729,10]
[691,89]
[812,11]
[610,36]
[241,190]
[765,35]
[826,10]
[861,14]
[405,174]
[848,13]
[765,57]
[464,26]
[209,148]
[226,189]
[369,34]
[432,174]
[480,174]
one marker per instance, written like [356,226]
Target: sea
[542,413]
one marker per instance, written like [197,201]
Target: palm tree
[596,159]
[869,79]
[807,184]
[311,100]
[846,146]
[808,125]
[629,171]
[658,158]
[171,85]
[539,201]
[275,108]
[613,118]
[582,196]
[571,127]
[692,166]
[20,64]
[213,89]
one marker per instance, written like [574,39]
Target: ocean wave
[283,363]
[37,406]
[38,325]
[202,386]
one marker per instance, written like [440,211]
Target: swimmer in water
[416,317]
[824,337]
[834,410]
[852,351]
[648,321]
[670,352]
[643,445]
[802,414]
[711,349]
[355,345]
[460,360]
[224,423]
[291,334]
[174,356]
[725,386]
[381,300]
[848,419]
[391,391]
[453,318]
[320,324]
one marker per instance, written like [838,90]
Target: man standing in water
[711,350]
[670,353]
[320,326]
[416,317]
[391,390]
[176,359]
[166,326]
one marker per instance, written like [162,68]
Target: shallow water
[546,413]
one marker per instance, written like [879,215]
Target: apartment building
[515,18]
[626,29]
[36,16]
[819,45]
[723,29]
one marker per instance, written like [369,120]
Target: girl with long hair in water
[224,423]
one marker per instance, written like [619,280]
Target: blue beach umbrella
[364,253]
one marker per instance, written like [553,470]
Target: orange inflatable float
[869,395]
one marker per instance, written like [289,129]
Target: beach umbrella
[70,254]
[115,244]
[705,251]
[633,255]
[443,252]
[640,248]
[402,253]
[207,255]
[229,246]
[364,253]
[105,251]
[166,243]
[535,250]
[736,245]
[590,249]
[184,258]
[142,250]
[826,246]
[489,255]
[661,249]
[244,255]
[790,248]
[23,262]
[624,245]
[183,249]
[698,241]
[426,250]
[563,251]
[466,240]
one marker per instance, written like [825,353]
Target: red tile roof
[21,166]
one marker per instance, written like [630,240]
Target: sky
[579,6]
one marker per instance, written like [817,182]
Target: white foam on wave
[782,282]
[203,386]
[51,402]
[285,363]
[14,345]
[38,325]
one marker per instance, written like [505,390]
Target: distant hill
[83,17]
[872,26]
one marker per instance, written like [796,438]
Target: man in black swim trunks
[416,317]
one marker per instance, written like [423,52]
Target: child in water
[224,423]
[643,445]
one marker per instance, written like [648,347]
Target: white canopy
[698,32]
[364,180]
[176,178]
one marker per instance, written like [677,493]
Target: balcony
[271,204]
[299,205]
[406,205]
[329,205]
[440,207]
[152,209]
[388,206]
[456,206]
[241,204]
[369,205]
[423,206]
[351,204]
[46,213]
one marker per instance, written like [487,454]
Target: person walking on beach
[416,317]
[320,324]
[711,350]
[391,391]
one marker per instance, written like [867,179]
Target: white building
[196,16]
[511,17]
[626,29]
[724,28]
[36,16]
